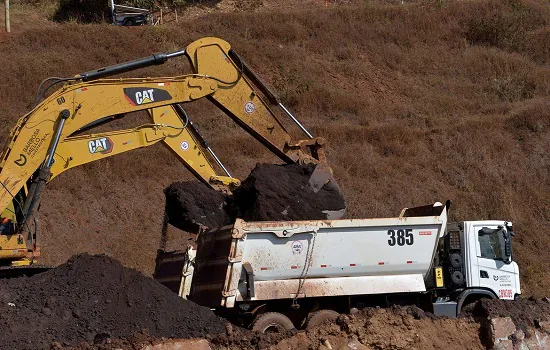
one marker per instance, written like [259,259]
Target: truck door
[493,270]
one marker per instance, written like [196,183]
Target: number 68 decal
[401,238]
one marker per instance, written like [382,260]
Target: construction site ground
[93,302]
[420,101]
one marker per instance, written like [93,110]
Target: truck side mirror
[507,258]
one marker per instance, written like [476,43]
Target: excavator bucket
[322,176]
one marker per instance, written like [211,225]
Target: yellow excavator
[49,139]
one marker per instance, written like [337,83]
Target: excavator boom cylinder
[156,59]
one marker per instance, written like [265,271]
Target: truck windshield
[491,244]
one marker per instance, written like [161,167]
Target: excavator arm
[44,142]
[246,106]
[179,135]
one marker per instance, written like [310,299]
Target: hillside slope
[419,103]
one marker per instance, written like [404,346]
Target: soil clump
[271,192]
[525,313]
[191,205]
[282,192]
[91,298]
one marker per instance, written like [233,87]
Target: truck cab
[491,266]
[477,261]
[128,15]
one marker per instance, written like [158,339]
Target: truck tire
[321,316]
[456,260]
[272,322]
[129,22]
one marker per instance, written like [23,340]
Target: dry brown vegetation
[420,102]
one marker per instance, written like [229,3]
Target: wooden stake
[7,3]
[176,10]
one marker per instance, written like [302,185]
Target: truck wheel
[128,22]
[321,316]
[272,322]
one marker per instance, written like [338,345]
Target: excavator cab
[14,246]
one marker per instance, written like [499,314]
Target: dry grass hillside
[420,102]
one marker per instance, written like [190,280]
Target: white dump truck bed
[277,260]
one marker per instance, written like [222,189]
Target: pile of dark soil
[525,313]
[93,298]
[270,192]
[191,205]
[282,192]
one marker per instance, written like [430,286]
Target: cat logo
[103,145]
[143,95]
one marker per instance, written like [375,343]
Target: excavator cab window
[13,213]
[18,202]
[7,226]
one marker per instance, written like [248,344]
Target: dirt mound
[92,298]
[525,313]
[398,327]
[192,204]
[371,328]
[282,192]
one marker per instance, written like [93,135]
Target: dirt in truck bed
[270,192]
[282,192]
[91,298]
[192,204]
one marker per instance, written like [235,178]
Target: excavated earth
[191,205]
[282,192]
[93,302]
[270,192]
[393,328]
[525,313]
[398,328]
[90,299]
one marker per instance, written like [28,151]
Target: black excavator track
[20,271]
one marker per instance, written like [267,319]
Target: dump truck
[294,274]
